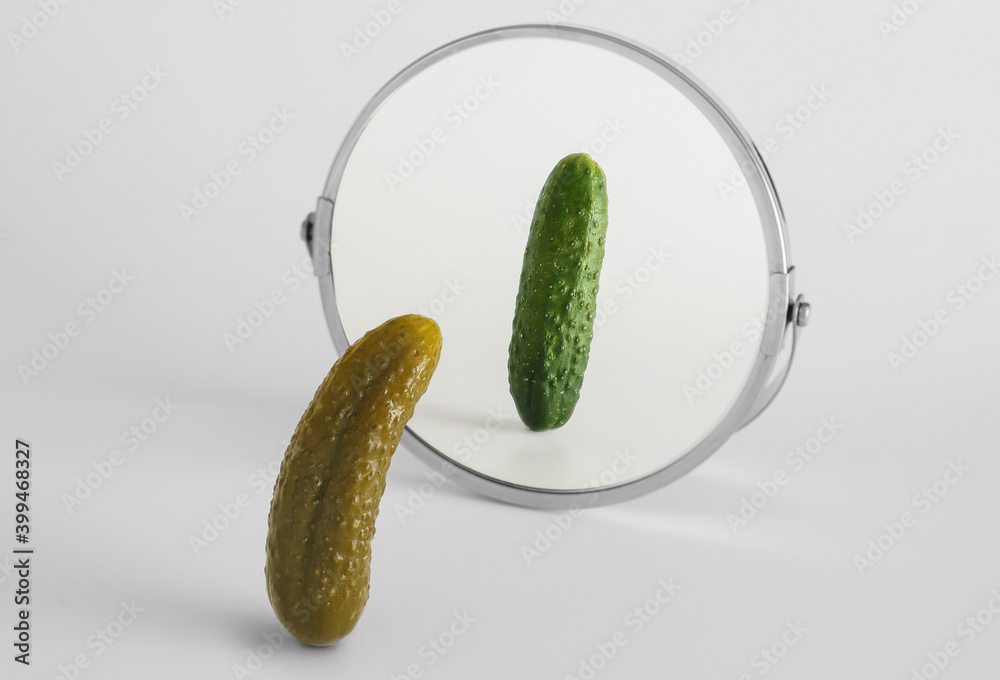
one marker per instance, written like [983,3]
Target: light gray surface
[163,337]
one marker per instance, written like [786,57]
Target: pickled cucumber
[332,477]
[557,298]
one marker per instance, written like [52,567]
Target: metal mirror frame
[785,314]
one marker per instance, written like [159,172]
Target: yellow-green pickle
[327,493]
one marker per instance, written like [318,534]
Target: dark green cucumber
[557,299]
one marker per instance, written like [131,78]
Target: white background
[163,338]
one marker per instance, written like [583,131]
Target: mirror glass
[432,214]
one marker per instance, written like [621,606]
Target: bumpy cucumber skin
[557,299]
[327,493]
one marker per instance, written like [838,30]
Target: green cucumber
[557,298]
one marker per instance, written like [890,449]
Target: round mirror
[428,208]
